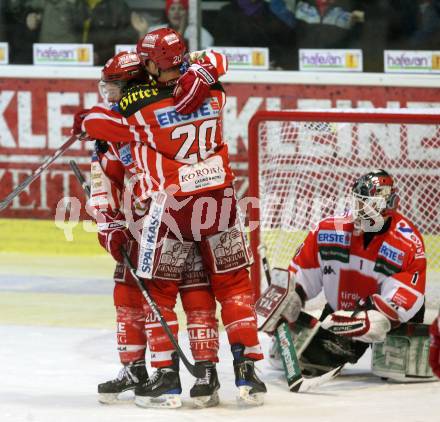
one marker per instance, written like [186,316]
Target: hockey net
[302,165]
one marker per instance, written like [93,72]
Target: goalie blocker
[343,337]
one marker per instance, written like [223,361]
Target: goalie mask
[117,73]
[374,195]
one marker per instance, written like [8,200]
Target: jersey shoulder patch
[142,95]
[404,229]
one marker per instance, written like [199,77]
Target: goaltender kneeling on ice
[370,263]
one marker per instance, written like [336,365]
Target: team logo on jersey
[334,245]
[150,232]
[125,155]
[172,259]
[391,254]
[140,94]
[168,116]
[229,250]
[408,233]
[331,237]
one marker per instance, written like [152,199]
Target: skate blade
[165,401]
[206,401]
[113,398]
[244,397]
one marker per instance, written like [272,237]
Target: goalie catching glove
[193,87]
[366,326]
[279,302]
[113,233]
[370,324]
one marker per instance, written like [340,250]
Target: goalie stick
[195,371]
[36,174]
[296,382]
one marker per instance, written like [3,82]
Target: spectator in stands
[2,21]
[402,21]
[250,23]
[319,23]
[414,25]
[373,36]
[427,31]
[55,21]
[141,22]
[105,23]
[16,33]
[176,17]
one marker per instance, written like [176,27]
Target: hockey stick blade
[37,173]
[195,371]
[306,384]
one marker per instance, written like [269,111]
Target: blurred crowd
[282,25]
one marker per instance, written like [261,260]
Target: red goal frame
[331,115]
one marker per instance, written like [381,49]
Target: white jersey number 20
[190,134]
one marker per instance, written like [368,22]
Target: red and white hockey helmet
[122,67]
[117,72]
[164,46]
[374,193]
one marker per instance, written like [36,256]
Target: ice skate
[128,378]
[162,390]
[251,389]
[205,390]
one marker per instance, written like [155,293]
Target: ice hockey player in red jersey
[371,266]
[111,164]
[189,194]
[434,350]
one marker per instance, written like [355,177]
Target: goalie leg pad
[404,355]
[278,301]
[434,350]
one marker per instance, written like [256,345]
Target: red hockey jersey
[110,171]
[393,265]
[187,151]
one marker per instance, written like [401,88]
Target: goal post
[302,166]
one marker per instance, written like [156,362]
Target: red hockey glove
[434,349]
[77,121]
[193,87]
[113,234]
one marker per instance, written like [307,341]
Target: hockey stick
[37,173]
[296,382]
[196,371]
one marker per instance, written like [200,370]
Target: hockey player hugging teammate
[173,127]
[371,266]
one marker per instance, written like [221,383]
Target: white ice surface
[50,374]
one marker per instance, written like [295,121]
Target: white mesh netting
[307,169]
